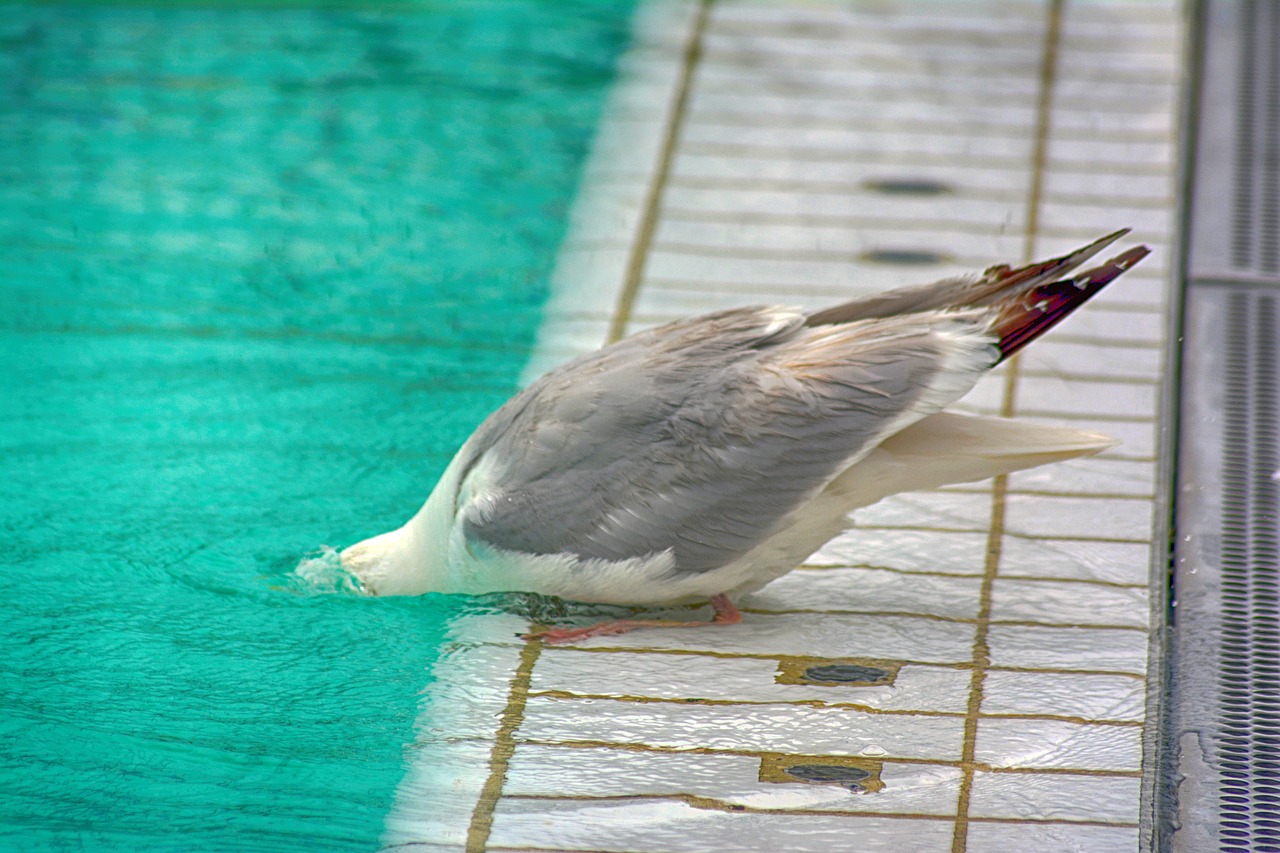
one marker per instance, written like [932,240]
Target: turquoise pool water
[262,269]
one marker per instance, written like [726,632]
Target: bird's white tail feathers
[949,448]
[940,449]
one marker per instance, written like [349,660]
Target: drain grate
[1255,221]
[1235,229]
[1249,752]
[1220,765]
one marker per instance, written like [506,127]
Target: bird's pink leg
[726,614]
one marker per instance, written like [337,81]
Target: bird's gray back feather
[700,437]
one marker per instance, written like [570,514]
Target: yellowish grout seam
[648,224]
[981,645]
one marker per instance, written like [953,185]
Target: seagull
[707,457]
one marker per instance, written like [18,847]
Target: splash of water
[322,573]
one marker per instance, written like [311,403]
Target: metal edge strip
[1156,804]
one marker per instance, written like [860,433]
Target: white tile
[1140,93]
[749,219]
[766,728]
[1090,475]
[1068,694]
[668,826]
[876,113]
[1074,221]
[1102,187]
[1080,121]
[537,769]
[471,630]
[1149,223]
[1141,154]
[909,550]
[436,798]
[730,779]
[660,301]
[1125,19]
[646,131]
[1036,516]
[981,24]
[1054,244]
[1059,837]
[869,77]
[468,690]
[1088,649]
[609,213]
[1071,359]
[1077,62]
[567,336]
[720,273]
[667,294]
[681,677]
[1069,604]
[656,305]
[1055,744]
[865,589]
[942,510]
[1010,178]
[802,137]
[734,45]
[591,277]
[875,212]
[1050,395]
[464,698]
[1055,796]
[823,635]
[668,264]
[1109,562]
[1136,438]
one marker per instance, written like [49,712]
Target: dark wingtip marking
[1043,307]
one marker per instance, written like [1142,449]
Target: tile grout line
[717,804]
[776,656]
[504,748]
[869,567]
[648,225]
[668,749]
[981,643]
[818,704]
[481,824]
[814,154]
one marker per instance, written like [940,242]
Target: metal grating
[1235,228]
[1249,742]
[1220,773]
[1255,221]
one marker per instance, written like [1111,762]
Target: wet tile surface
[1086,696]
[1060,796]
[1061,837]
[693,678]
[795,729]
[723,780]
[825,150]
[1059,745]
[676,827]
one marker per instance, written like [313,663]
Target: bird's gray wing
[700,438]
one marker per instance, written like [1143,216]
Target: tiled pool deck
[799,154]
